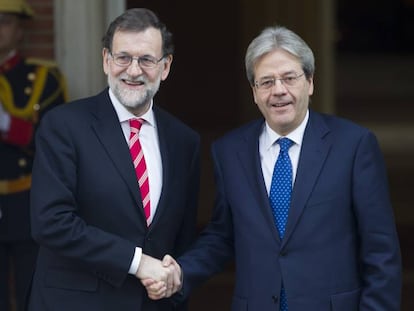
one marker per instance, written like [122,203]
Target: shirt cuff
[135,261]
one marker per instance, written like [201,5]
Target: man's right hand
[160,281]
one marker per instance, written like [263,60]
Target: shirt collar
[125,115]
[296,135]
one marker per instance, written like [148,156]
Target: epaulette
[41,61]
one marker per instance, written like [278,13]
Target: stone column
[80,26]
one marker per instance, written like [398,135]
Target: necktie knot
[136,124]
[284,143]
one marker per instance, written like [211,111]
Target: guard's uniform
[28,89]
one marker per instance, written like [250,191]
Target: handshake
[161,279]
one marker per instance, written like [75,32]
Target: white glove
[4,120]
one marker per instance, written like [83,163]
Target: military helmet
[19,7]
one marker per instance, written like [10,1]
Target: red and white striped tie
[139,163]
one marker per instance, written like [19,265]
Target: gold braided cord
[25,112]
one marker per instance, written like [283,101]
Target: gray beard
[133,99]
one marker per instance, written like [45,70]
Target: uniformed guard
[28,89]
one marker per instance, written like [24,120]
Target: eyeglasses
[269,82]
[146,61]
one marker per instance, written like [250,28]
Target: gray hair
[278,37]
[138,20]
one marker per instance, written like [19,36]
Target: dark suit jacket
[87,212]
[340,251]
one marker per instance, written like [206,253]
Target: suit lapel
[109,132]
[250,162]
[315,149]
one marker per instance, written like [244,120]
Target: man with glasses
[29,87]
[302,201]
[115,182]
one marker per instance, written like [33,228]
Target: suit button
[27,90]
[22,162]
[283,253]
[275,298]
[31,76]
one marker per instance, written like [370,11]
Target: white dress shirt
[269,150]
[148,137]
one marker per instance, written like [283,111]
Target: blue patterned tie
[279,196]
